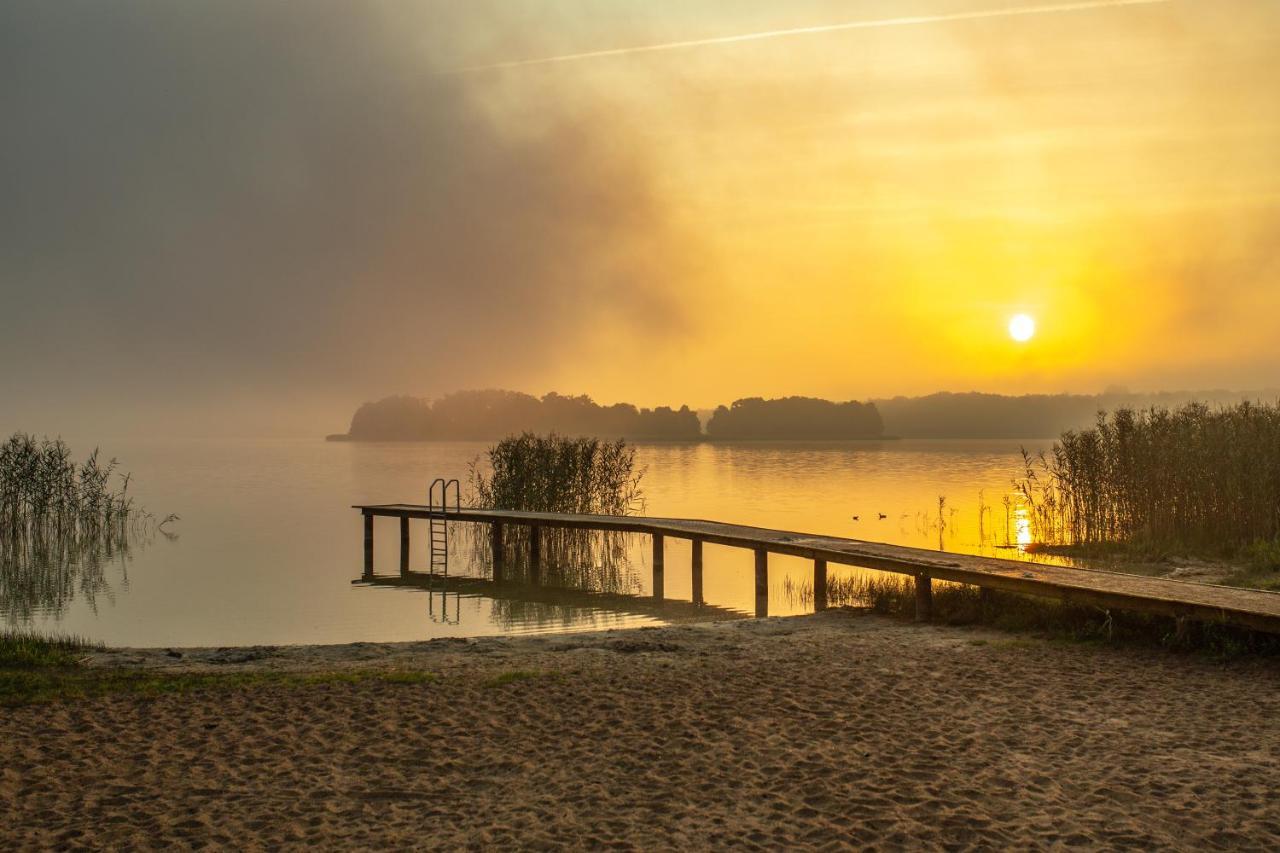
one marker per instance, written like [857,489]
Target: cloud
[246,195]
[816,29]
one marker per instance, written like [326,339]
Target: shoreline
[798,732]
[705,439]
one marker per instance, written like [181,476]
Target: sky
[251,217]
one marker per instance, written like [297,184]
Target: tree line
[494,414]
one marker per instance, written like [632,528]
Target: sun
[1022,327]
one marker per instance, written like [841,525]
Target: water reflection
[439,612]
[1022,523]
[43,576]
[519,604]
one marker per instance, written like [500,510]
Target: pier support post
[535,554]
[924,598]
[819,584]
[404,545]
[697,571]
[368,545]
[659,566]
[762,583]
[495,549]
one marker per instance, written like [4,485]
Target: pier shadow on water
[575,575]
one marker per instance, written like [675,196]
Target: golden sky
[263,214]
[870,207]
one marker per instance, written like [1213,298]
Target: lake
[267,546]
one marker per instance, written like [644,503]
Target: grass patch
[959,604]
[38,670]
[27,650]
[409,677]
[516,675]
[1014,644]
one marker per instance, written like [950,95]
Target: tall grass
[44,493]
[61,522]
[26,649]
[1196,478]
[555,473]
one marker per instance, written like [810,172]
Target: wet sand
[841,729]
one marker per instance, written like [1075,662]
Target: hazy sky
[260,214]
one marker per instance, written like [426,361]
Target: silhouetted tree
[491,414]
[795,418]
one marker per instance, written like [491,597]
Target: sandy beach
[836,730]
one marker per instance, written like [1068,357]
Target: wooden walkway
[1247,608]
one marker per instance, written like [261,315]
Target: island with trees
[494,414]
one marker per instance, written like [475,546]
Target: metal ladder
[439,525]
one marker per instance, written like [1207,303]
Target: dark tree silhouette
[795,418]
[494,414]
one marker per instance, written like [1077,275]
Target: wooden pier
[1247,608]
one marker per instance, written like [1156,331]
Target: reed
[1193,480]
[555,473]
[45,494]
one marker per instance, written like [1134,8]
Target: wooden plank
[1255,609]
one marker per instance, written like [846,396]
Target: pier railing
[1255,609]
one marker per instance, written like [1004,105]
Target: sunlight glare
[1022,327]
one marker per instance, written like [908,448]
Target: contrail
[821,28]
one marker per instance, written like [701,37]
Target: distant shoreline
[941,416]
[706,439]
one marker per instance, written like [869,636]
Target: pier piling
[535,554]
[404,546]
[368,544]
[819,584]
[762,582]
[696,564]
[495,549]
[924,598]
[658,566]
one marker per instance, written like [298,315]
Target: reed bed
[555,473]
[61,524]
[45,494]
[1194,479]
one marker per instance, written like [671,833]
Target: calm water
[267,546]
